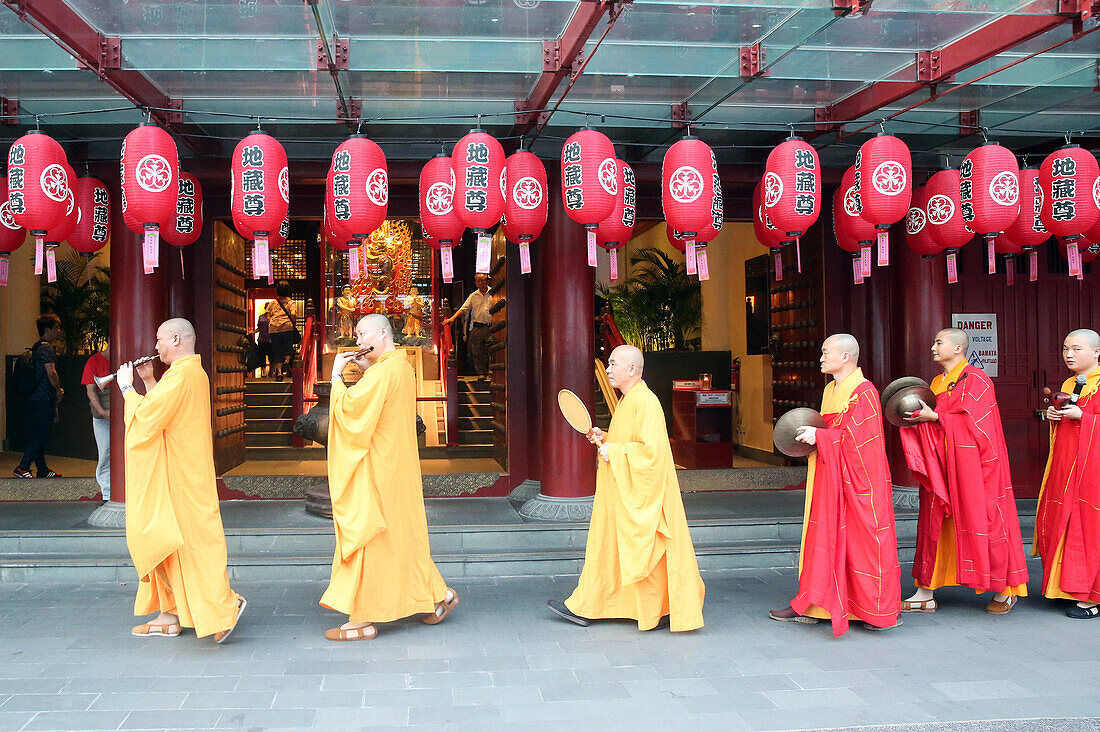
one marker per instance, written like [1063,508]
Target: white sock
[1000,598]
[923,594]
[1086,605]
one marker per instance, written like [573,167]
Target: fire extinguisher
[735,374]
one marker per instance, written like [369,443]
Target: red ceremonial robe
[961,464]
[1067,525]
[849,564]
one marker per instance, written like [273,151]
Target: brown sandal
[919,606]
[442,609]
[1001,607]
[171,630]
[365,632]
[221,635]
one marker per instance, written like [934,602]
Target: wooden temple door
[230,322]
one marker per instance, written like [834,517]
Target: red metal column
[568,351]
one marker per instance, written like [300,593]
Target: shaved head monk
[848,568]
[1067,524]
[968,532]
[639,562]
[173,520]
[382,569]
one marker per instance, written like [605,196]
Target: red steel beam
[102,55]
[939,65]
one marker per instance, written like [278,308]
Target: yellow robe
[173,520]
[639,562]
[382,569]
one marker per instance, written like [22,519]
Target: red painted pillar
[568,467]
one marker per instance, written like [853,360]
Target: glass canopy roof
[422,71]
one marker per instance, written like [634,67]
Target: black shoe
[49,474]
[21,473]
[559,609]
[1077,612]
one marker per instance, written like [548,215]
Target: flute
[102,381]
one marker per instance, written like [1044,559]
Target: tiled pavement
[500,660]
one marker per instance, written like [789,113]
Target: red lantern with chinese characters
[1070,181]
[358,188]
[150,170]
[615,231]
[186,225]
[945,219]
[438,219]
[852,223]
[766,233]
[687,191]
[845,240]
[478,196]
[989,189]
[589,181]
[792,187]
[259,194]
[918,234]
[1028,229]
[525,202]
[884,181]
[38,185]
[12,235]
[62,231]
[93,226]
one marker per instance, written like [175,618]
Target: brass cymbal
[786,427]
[893,387]
[907,400]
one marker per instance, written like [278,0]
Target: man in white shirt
[477,307]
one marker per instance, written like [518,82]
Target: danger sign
[981,329]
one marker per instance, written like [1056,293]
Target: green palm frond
[659,307]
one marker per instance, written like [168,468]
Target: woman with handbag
[281,319]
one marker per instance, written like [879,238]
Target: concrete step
[254,426]
[269,386]
[282,452]
[475,437]
[261,399]
[268,439]
[282,411]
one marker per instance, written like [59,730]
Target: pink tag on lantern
[51,265]
[798,253]
[613,263]
[778,265]
[524,258]
[865,261]
[857,270]
[447,263]
[704,270]
[591,247]
[353,264]
[1074,255]
[691,260]
[952,268]
[3,271]
[1010,271]
[1032,266]
[150,247]
[484,254]
[270,271]
[991,258]
[38,250]
[883,248]
[261,265]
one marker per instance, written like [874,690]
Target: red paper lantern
[150,170]
[358,188]
[989,189]
[843,239]
[618,227]
[851,220]
[1028,229]
[260,189]
[687,186]
[885,180]
[38,184]
[93,226]
[1070,181]
[186,225]
[589,177]
[918,234]
[1088,249]
[438,218]
[65,228]
[525,200]
[12,234]
[478,162]
[766,233]
[792,186]
[943,209]
[1004,244]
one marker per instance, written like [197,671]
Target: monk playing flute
[1067,524]
[639,562]
[173,520]
[382,569]
[968,532]
[848,567]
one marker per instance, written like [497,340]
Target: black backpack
[23,378]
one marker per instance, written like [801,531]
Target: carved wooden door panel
[230,323]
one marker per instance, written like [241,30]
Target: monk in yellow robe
[173,521]
[382,569]
[639,562]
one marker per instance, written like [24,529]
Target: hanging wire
[983,131]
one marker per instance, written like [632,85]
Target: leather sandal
[366,632]
[221,635]
[171,630]
[920,606]
[1001,607]
[442,609]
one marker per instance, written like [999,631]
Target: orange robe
[173,520]
[382,569]
[639,562]
[1067,524]
[968,532]
[849,563]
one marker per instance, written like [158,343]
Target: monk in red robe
[1067,525]
[848,568]
[968,532]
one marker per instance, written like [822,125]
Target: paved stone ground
[501,661]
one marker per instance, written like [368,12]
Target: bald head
[373,333]
[175,339]
[956,337]
[376,322]
[1088,337]
[844,343]
[630,355]
[1081,351]
[624,367]
[839,355]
